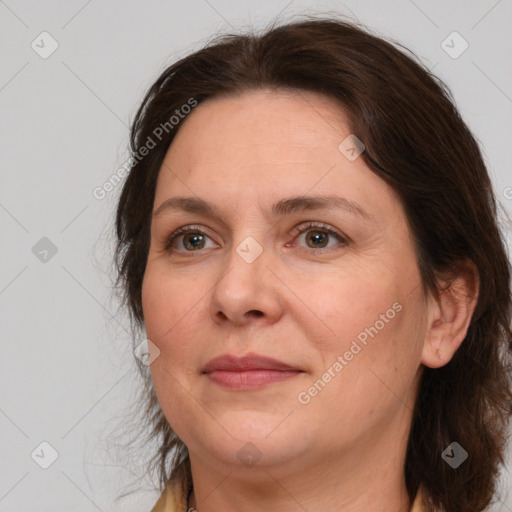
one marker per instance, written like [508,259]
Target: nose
[247,292]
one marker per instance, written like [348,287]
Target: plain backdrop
[71,77]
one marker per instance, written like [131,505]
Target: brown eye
[187,239]
[319,236]
[193,241]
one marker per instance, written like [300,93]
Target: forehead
[261,126]
[265,145]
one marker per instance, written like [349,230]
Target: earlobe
[449,316]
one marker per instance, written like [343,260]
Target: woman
[308,236]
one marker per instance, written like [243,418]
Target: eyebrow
[280,208]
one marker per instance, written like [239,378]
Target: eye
[193,239]
[318,235]
[187,239]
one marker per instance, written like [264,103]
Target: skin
[300,304]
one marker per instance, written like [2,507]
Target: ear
[449,316]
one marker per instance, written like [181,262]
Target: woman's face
[303,256]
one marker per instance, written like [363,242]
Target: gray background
[67,371]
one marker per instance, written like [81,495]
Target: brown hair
[417,142]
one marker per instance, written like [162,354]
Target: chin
[258,438]
[255,453]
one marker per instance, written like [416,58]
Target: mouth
[248,372]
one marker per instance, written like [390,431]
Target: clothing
[174,499]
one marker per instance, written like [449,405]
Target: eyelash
[344,241]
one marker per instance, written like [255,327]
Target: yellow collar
[175,496]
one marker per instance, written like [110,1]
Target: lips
[245,363]
[248,372]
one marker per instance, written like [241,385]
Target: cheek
[169,305]
[170,308]
[374,325]
[347,307]
[367,371]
